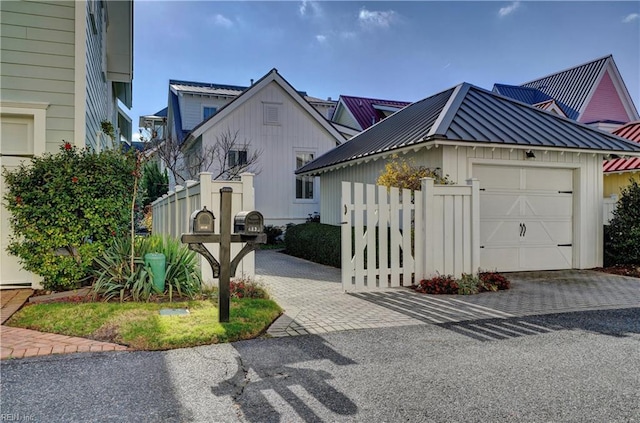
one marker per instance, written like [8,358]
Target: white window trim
[316,180]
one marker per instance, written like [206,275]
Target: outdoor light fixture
[529,154]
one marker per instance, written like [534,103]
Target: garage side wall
[366,173]
[587,188]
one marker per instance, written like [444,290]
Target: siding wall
[368,173]
[344,118]
[614,182]
[191,108]
[100,103]
[605,103]
[38,55]
[275,179]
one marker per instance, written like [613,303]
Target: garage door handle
[521,229]
[525,229]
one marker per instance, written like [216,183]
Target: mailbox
[248,223]
[202,221]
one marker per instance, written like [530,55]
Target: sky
[394,50]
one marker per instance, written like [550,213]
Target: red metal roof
[363,110]
[630,131]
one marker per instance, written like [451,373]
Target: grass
[141,327]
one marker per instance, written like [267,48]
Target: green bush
[316,242]
[247,288]
[622,236]
[64,208]
[154,183]
[114,278]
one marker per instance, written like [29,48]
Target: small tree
[64,208]
[227,158]
[154,182]
[622,236]
[402,174]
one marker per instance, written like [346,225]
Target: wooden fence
[393,237]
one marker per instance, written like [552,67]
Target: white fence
[172,214]
[396,237]
[609,204]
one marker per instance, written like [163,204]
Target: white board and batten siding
[432,231]
[278,142]
[172,213]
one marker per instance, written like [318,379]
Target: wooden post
[225,253]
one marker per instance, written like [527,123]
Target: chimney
[328,98]
[251,81]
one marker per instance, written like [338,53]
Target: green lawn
[140,326]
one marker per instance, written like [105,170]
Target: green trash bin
[157,262]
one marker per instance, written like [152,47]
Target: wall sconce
[529,154]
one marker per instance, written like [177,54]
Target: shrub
[115,279]
[622,237]
[273,232]
[64,208]
[247,288]
[493,281]
[154,183]
[316,242]
[438,285]
[402,174]
[466,285]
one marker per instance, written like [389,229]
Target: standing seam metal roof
[473,115]
[571,87]
[363,111]
[630,131]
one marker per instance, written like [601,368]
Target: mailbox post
[248,228]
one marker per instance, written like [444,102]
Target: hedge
[316,242]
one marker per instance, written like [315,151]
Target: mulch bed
[629,270]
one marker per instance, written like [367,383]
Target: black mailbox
[202,221]
[248,223]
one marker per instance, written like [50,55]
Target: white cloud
[631,17]
[310,8]
[321,38]
[347,35]
[507,10]
[221,20]
[375,18]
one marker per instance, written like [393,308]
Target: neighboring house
[190,103]
[65,65]
[534,167]
[359,113]
[286,129]
[593,93]
[618,171]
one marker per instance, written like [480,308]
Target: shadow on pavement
[618,323]
[274,374]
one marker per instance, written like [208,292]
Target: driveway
[314,302]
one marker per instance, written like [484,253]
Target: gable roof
[470,115]
[630,131]
[272,76]
[571,88]
[368,111]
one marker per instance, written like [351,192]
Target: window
[208,111]
[304,184]
[237,158]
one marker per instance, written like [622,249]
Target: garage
[526,218]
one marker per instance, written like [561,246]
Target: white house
[65,65]
[287,131]
[540,174]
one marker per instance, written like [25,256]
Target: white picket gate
[393,237]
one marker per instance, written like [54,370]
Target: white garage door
[526,218]
[16,144]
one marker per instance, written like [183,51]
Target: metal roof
[363,109]
[571,87]
[523,94]
[630,131]
[467,114]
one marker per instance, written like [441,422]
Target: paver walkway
[18,343]
[314,302]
